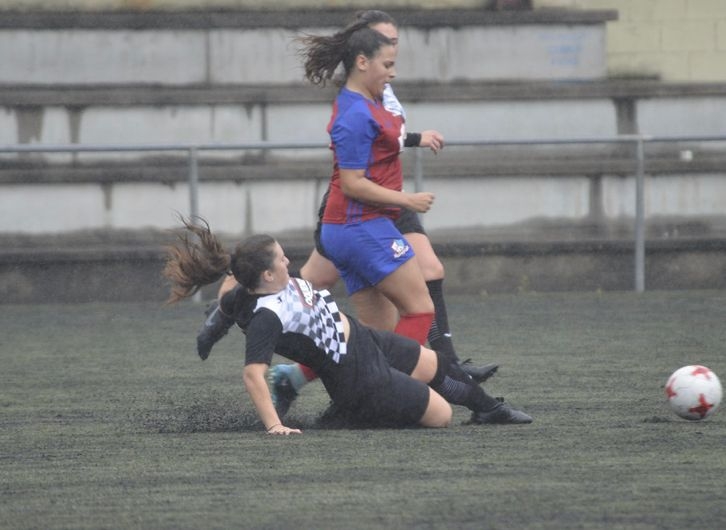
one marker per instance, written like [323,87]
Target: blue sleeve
[352,136]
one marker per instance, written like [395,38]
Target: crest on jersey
[307,295]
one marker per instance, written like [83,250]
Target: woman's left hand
[281,429]
[434,140]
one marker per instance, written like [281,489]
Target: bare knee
[438,413]
[429,262]
[425,368]
[432,270]
[421,304]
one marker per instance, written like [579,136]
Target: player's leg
[446,378]
[374,254]
[407,290]
[374,310]
[438,412]
[459,388]
[286,380]
[439,336]
[430,264]
[319,271]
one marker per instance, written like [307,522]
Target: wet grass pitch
[108,419]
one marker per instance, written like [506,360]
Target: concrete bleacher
[233,77]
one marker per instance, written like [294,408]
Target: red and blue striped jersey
[364,134]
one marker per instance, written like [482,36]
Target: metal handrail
[193,150]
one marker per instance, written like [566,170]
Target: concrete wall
[162,84]
[676,40]
[176,57]
[215,4]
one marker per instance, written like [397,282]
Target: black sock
[458,388]
[439,335]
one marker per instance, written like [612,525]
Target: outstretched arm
[254,379]
[432,139]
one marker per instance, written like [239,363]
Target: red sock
[415,326]
[307,372]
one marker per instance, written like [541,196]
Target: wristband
[276,425]
[412,140]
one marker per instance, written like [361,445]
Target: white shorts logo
[399,247]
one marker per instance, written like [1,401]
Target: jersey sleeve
[352,136]
[263,332]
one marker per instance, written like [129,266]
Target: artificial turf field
[108,419]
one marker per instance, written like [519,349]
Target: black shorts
[408,223]
[372,383]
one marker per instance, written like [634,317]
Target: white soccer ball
[694,392]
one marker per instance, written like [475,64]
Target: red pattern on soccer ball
[702,370]
[670,393]
[702,408]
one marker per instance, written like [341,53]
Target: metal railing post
[417,170]
[640,216]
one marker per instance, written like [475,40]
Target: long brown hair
[322,54]
[199,259]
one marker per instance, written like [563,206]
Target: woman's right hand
[421,202]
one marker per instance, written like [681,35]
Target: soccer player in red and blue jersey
[366,195]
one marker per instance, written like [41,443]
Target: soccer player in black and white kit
[374,377]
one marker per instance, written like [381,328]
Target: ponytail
[198,260]
[322,54]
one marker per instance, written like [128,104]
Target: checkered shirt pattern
[303,310]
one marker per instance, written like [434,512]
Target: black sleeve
[228,301]
[412,140]
[263,333]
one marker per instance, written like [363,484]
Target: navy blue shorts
[365,253]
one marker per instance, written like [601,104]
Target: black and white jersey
[305,311]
